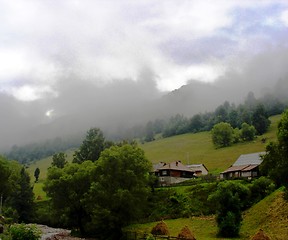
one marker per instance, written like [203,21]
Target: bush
[260,188]
[230,198]
[24,232]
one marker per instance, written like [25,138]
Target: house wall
[246,174]
[175,174]
[167,180]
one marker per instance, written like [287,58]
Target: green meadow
[198,148]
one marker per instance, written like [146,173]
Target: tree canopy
[100,197]
[16,191]
[92,146]
[222,134]
[275,161]
[59,160]
[230,199]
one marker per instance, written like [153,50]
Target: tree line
[35,151]
[254,112]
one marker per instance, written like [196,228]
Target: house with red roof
[172,173]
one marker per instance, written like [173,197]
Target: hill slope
[270,214]
[198,148]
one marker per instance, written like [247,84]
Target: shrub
[230,197]
[24,232]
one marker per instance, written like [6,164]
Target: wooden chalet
[246,166]
[172,173]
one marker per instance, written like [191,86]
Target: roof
[196,166]
[242,168]
[157,166]
[249,168]
[175,166]
[248,159]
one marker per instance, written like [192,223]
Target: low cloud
[108,63]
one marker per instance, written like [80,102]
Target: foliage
[5,172]
[222,134]
[22,197]
[230,200]
[260,119]
[248,132]
[275,161]
[92,146]
[103,196]
[24,232]
[67,187]
[119,194]
[35,151]
[16,190]
[36,174]
[253,111]
[59,160]
[176,125]
[260,188]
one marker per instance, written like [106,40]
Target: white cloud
[32,93]
[103,40]
[284,17]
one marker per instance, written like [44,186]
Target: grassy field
[201,227]
[198,148]
[270,214]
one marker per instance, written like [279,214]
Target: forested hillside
[254,112]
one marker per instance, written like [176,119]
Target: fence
[144,236]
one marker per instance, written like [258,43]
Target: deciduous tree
[222,134]
[230,200]
[247,132]
[59,160]
[120,193]
[275,161]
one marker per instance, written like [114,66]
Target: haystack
[260,235]
[160,229]
[186,234]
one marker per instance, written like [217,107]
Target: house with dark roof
[172,173]
[246,166]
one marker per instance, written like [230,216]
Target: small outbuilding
[198,169]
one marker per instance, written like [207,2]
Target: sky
[54,55]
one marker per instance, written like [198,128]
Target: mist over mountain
[71,65]
[123,104]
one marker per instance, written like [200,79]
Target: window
[164,173]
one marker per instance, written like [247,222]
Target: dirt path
[49,233]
